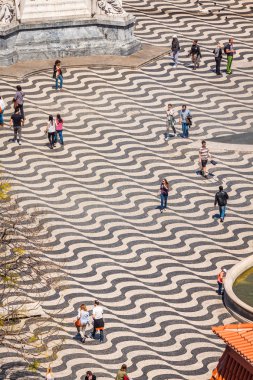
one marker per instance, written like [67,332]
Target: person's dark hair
[123,367]
[195,41]
[16,109]
[50,118]
[170,105]
[57,62]
[203,142]
[19,88]
[183,106]
[220,188]
[230,39]
[59,118]
[96,302]
[88,373]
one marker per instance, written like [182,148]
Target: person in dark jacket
[221,198]
[90,376]
[175,50]
[218,57]
[195,53]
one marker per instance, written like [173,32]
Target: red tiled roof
[239,337]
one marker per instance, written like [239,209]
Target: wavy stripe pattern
[155,274]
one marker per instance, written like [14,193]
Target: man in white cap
[220,280]
[175,50]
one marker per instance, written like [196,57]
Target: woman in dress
[50,130]
[164,189]
[84,317]
[2,107]
[59,128]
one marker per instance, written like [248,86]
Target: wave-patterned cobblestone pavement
[155,274]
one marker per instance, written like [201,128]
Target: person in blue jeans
[59,129]
[164,189]
[185,117]
[221,198]
[58,76]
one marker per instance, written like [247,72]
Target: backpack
[226,47]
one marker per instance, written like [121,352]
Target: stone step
[54,10]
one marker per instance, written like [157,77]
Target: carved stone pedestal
[43,29]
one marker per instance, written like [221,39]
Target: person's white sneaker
[174,66]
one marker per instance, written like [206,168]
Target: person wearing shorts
[204,155]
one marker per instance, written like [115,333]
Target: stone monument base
[58,39]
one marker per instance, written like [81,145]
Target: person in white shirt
[2,107]
[171,121]
[50,130]
[97,315]
[83,317]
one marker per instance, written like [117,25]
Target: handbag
[78,323]
[189,121]
[125,377]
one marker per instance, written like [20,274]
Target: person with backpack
[221,198]
[195,53]
[122,373]
[218,57]
[230,51]
[175,50]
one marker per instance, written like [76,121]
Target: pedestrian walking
[175,48]
[90,376]
[98,321]
[122,373]
[220,280]
[185,119]
[230,51]
[19,100]
[50,130]
[171,121]
[164,190]
[49,374]
[218,57]
[221,198]
[195,53]
[83,320]
[59,129]
[2,108]
[16,122]
[58,76]
[204,155]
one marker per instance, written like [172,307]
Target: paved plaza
[154,274]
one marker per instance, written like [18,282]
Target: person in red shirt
[220,280]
